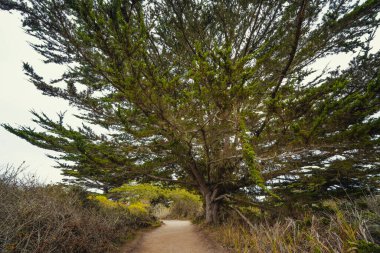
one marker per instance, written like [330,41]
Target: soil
[174,236]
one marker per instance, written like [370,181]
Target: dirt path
[175,237]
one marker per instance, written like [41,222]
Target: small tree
[211,95]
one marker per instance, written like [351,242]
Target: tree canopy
[218,96]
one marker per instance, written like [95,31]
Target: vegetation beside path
[218,98]
[330,226]
[61,218]
[221,97]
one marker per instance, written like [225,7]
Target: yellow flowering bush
[138,208]
[105,202]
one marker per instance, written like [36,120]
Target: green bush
[367,247]
[184,205]
[181,203]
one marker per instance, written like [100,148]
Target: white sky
[18,96]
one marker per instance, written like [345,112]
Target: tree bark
[212,208]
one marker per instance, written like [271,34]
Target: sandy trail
[175,237]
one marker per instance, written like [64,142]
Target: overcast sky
[18,96]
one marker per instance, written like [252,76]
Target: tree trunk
[211,208]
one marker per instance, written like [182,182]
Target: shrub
[339,226]
[181,203]
[184,204]
[56,218]
[138,208]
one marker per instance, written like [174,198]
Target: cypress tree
[211,95]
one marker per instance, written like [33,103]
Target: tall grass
[340,227]
[38,218]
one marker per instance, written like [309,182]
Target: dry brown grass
[36,218]
[331,231]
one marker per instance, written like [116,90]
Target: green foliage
[144,198]
[184,204]
[367,247]
[138,208]
[138,192]
[105,202]
[172,83]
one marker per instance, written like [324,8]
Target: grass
[55,218]
[337,227]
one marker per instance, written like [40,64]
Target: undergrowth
[56,218]
[337,226]
[168,203]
